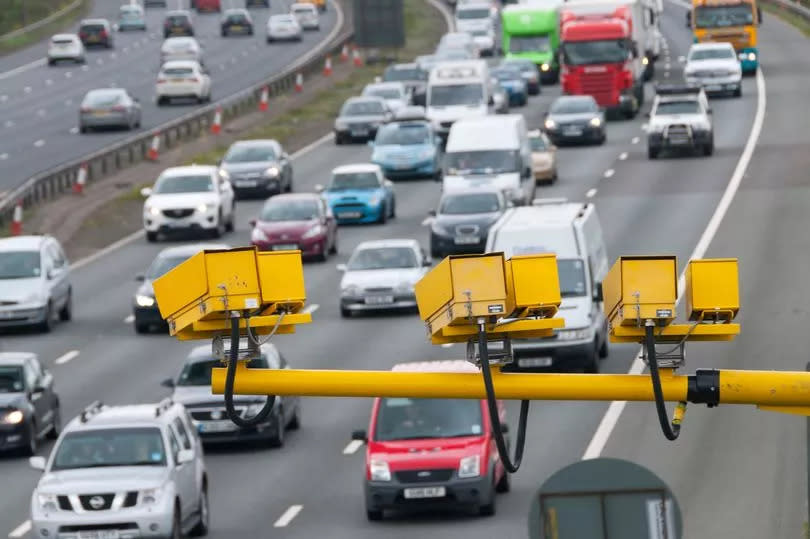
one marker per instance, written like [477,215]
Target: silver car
[307,15]
[257,167]
[109,107]
[381,274]
[124,472]
[35,284]
[283,27]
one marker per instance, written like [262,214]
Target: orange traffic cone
[356,57]
[264,99]
[216,127]
[81,179]
[16,222]
[152,155]
[299,82]
[344,53]
[327,67]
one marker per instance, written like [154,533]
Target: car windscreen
[723,16]
[470,203]
[354,180]
[712,54]
[11,379]
[19,264]
[130,13]
[177,72]
[249,154]
[62,41]
[403,74]
[102,99]
[184,184]
[179,20]
[478,13]
[289,210]
[404,135]
[677,107]
[507,74]
[236,17]
[362,108]
[385,93]
[573,106]
[483,162]
[412,419]
[198,373]
[162,264]
[281,20]
[529,43]
[302,11]
[607,51]
[92,28]
[456,94]
[376,258]
[538,144]
[450,54]
[134,446]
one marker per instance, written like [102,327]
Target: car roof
[282,16]
[445,365]
[384,85]
[356,167]
[395,242]
[179,63]
[190,169]
[190,250]
[255,143]
[306,5]
[408,65]
[102,91]
[15,358]
[472,191]
[365,99]
[711,45]
[588,98]
[65,36]
[176,12]
[129,415]
[16,243]
[94,21]
[472,5]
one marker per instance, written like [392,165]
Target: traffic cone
[327,67]
[216,127]
[356,57]
[299,82]
[344,53]
[152,155]
[263,101]
[81,179]
[16,222]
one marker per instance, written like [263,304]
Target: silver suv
[123,472]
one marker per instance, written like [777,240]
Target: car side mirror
[140,278]
[252,223]
[341,267]
[168,382]
[491,100]
[184,456]
[146,192]
[598,293]
[360,435]
[37,463]
[432,213]
[319,188]
[759,16]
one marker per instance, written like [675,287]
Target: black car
[528,69]
[96,32]
[462,221]
[192,388]
[575,118]
[360,117]
[144,306]
[258,167]
[260,3]
[29,407]
[412,76]
[178,23]
[236,21]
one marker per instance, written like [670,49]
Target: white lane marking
[667,66]
[125,50]
[590,193]
[85,68]
[27,89]
[68,74]
[61,360]
[644,126]
[609,173]
[22,68]
[635,140]
[48,82]
[73,130]
[136,44]
[622,156]
[41,112]
[614,411]
[68,102]
[3,98]
[3,156]
[113,55]
[285,519]
[107,250]
[9,123]
[21,530]
[312,145]
[39,144]
[352,447]
[666,74]
[311,308]
[99,61]
[129,319]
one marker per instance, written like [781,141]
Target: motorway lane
[41,104]
[311,470]
[739,471]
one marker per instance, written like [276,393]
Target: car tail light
[103,33]
[160,81]
[194,79]
[119,108]
[86,109]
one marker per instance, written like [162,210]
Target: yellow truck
[732,21]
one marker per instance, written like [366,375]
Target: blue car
[131,17]
[408,149]
[360,194]
[512,81]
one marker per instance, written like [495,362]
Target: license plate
[349,215]
[100,534]
[236,27]
[535,362]
[246,183]
[217,426]
[178,31]
[379,300]
[402,166]
[285,247]
[466,240]
[713,88]
[425,492]
[572,131]
[100,113]
[359,132]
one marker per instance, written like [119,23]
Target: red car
[296,221]
[208,5]
[426,453]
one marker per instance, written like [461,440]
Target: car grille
[678,134]
[351,206]
[213,414]
[8,302]
[93,527]
[467,230]
[424,476]
[379,289]
[178,214]
[130,499]
[87,506]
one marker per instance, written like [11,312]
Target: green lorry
[532,32]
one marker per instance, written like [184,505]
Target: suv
[96,32]
[34,282]
[680,120]
[193,388]
[123,471]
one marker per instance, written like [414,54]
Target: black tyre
[51,62]
[652,153]
[218,230]
[345,313]
[201,528]
[161,101]
[141,328]
[738,92]
[151,237]
[82,129]
[374,515]
[334,249]
[592,367]
[603,350]
[295,422]
[393,213]
[708,149]
[56,423]
[277,440]
[33,443]
[488,509]
[47,324]
[230,225]
[505,483]
[177,531]
[383,215]
[66,312]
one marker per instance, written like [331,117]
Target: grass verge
[37,12]
[802,25]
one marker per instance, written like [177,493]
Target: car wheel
[141,328]
[66,312]
[82,129]
[47,324]
[176,532]
[33,443]
[277,440]
[592,367]
[323,255]
[393,208]
[295,421]
[334,249]
[224,33]
[201,99]
[603,350]
[51,62]
[151,237]
[201,528]
[708,149]
[217,231]
[339,139]
[230,225]
[383,215]
[505,483]
[738,91]
[269,40]
[374,515]
[652,153]
[161,101]
[345,313]
[488,509]
[56,423]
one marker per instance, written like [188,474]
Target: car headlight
[645,61]
[47,502]
[350,290]
[151,210]
[404,287]
[379,471]
[550,124]
[469,466]
[751,56]
[544,67]
[203,208]
[374,200]
[224,174]
[258,235]
[272,172]
[144,301]
[150,496]
[340,124]
[575,334]
[312,232]
[596,122]
[13,417]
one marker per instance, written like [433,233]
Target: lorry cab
[455,90]
[432,453]
[531,32]
[734,22]
[572,231]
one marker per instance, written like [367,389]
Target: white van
[571,231]
[490,151]
[456,90]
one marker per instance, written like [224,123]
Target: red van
[426,453]
[208,5]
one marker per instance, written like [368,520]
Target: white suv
[182,79]
[123,472]
[193,198]
[65,47]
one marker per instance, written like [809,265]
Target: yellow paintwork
[740,36]
[534,328]
[641,287]
[676,332]
[712,289]
[532,285]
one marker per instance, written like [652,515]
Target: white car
[715,66]
[381,274]
[283,27]
[395,94]
[182,79]
[65,47]
[180,48]
[193,198]
[680,119]
[458,40]
[484,39]
[307,16]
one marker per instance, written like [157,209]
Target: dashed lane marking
[288,515]
[64,358]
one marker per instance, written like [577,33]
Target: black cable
[230,375]
[492,404]
[671,431]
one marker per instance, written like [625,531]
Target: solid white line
[609,173]
[27,89]
[622,156]
[614,411]
[288,515]
[21,530]
[129,319]
[3,98]
[61,360]
[39,143]
[22,68]
[312,145]
[352,447]
[635,140]
[591,193]
[311,308]
[107,250]
[9,123]
[3,157]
